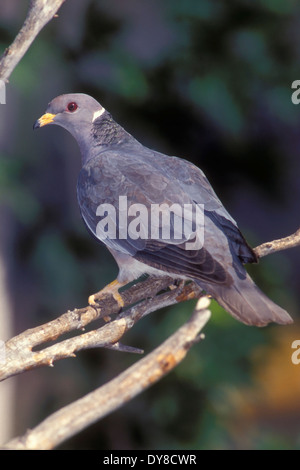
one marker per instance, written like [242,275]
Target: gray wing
[113,174]
[195,184]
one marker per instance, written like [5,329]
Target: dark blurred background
[206,80]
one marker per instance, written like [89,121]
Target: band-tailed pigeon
[116,169]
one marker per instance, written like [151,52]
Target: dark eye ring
[72,107]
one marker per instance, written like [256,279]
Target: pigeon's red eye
[72,107]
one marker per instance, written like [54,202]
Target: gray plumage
[114,164]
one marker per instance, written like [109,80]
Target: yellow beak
[44,120]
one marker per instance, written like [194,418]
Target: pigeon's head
[91,125]
[74,112]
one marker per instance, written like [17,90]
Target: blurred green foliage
[205,80]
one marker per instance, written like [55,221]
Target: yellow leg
[110,289]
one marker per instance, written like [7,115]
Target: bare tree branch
[69,420]
[278,245]
[20,355]
[39,14]
[73,418]
[139,300]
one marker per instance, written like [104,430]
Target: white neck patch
[98,113]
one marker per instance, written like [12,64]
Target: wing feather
[157,179]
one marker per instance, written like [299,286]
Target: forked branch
[73,418]
[151,295]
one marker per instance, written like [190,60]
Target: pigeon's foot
[111,289]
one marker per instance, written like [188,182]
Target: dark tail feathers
[247,303]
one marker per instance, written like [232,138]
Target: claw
[111,289]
